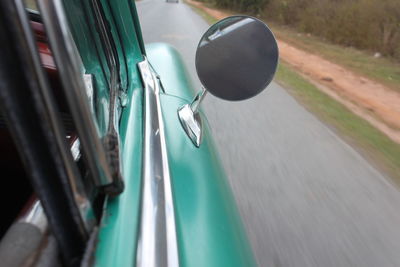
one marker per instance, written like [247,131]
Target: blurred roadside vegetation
[381,151]
[384,70]
[375,146]
[364,24]
[31,4]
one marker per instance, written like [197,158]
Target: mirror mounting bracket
[190,118]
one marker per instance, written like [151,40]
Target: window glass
[31,4]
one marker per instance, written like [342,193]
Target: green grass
[379,149]
[383,70]
[207,17]
[374,145]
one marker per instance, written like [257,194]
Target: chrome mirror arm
[197,99]
[190,118]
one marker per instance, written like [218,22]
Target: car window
[31,4]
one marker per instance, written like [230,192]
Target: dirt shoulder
[374,102]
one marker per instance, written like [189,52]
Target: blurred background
[314,161]
[362,24]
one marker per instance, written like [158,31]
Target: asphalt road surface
[305,196]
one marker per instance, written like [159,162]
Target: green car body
[208,227]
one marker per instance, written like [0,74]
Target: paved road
[306,197]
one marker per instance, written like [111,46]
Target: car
[107,157]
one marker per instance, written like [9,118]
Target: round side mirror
[237,58]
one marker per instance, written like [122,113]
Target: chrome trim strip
[67,61]
[35,216]
[157,245]
[76,150]
[198,99]
[74,177]
[88,80]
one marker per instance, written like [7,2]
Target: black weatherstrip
[31,121]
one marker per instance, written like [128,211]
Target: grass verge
[379,149]
[382,70]
[207,17]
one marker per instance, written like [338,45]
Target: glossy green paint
[124,33]
[122,21]
[209,229]
[117,238]
[117,42]
[169,65]
[81,24]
